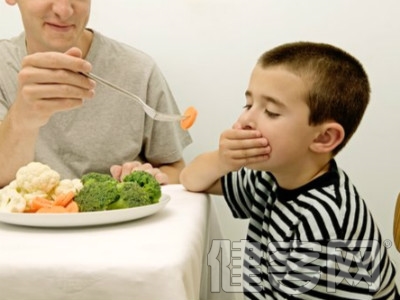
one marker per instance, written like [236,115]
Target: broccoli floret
[95,196]
[103,192]
[147,182]
[95,177]
[131,194]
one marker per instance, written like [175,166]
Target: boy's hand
[240,147]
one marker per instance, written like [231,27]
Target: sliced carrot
[64,199]
[52,209]
[39,203]
[62,204]
[72,207]
[59,199]
[190,114]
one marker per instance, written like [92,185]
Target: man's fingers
[128,168]
[116,171]
[53,77]
[56,60]
[74,51]
[119,172]
[162,178]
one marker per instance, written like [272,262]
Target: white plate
[83,218]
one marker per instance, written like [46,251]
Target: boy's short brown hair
[339,86]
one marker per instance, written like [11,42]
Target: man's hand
[50,82]
[120,171]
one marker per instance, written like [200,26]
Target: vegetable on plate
[103,192]
[32,182]
[38,189]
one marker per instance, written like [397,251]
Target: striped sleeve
[240,187]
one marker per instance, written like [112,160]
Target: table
[158,257]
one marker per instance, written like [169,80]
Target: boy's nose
[247,121]
[250,125]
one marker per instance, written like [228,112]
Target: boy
[310,234]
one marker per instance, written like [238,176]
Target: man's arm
[165,174]
[16,148]
[173,171]
[48,82]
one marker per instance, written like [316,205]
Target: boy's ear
[330,135]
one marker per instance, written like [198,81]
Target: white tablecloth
[158,257]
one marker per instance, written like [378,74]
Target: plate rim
[84,219]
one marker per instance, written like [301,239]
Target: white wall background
[207,48]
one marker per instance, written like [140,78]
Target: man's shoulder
[120,50]
[12,45]
[11,53]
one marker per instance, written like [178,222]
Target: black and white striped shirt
[315,242]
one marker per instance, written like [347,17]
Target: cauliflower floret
[36,176]
[67,185]
[36,194]
[13,185]
[11,200]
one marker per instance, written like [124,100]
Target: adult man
[43,115]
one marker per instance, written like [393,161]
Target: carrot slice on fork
[190,114]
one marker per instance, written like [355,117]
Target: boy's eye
[271,114]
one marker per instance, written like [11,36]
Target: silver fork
[151,112]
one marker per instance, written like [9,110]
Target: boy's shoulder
[327,207]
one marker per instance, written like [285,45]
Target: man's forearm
[173,171]
[17,148]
